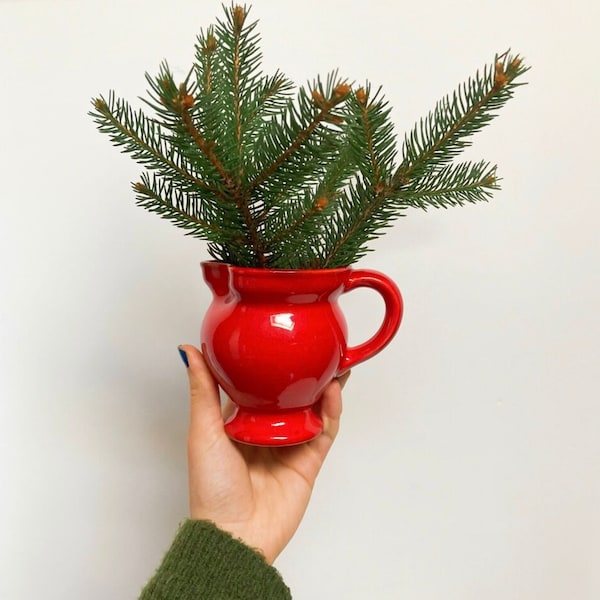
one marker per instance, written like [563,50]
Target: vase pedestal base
[274,429]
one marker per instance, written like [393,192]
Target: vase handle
[391,320]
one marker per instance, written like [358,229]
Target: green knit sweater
[205,563]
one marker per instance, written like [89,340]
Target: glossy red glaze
[275,338]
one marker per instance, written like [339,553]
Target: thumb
[205,405]
[330,406]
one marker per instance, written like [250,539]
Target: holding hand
[257,494]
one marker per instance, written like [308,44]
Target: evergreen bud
[210,45]
[100,105]
[341,90]
[321,203]
[500,78]
[361,96]
[187,101]
[239,16]
[318,98]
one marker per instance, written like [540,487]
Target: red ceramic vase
[275,338]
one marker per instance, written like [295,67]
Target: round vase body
[274,339]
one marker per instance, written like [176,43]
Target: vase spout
[216,275]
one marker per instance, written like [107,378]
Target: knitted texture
[205,563]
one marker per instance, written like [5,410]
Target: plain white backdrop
[468,464]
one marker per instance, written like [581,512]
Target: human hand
[257,494]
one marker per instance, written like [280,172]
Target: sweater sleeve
[205,563]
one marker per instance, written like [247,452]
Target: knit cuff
[205,562]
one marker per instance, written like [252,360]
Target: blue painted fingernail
[183,357]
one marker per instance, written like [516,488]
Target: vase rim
[266,270]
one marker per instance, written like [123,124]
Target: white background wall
[468,465]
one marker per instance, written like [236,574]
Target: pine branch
[272,181]
[266,101]
[239,17]
[444,133]
[356,223]
[174,104]
[269,98]
[182,104]
[232,81]
[181,208]
[295,224]
[186,102]
[367,131]
[300,132]
[141,137]
[205,54]
[365,206]
[453,185]
[209,105]
[236,75]
[306,210]
[432,144]
[162,89]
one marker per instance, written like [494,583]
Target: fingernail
[184,357]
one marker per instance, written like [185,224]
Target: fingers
[330,412]
[331,408]
[228,409]
[205,407]
[344,378]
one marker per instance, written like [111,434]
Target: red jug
[274,339]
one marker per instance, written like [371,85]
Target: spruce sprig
[275,180]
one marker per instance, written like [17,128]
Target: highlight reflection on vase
[283,320]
